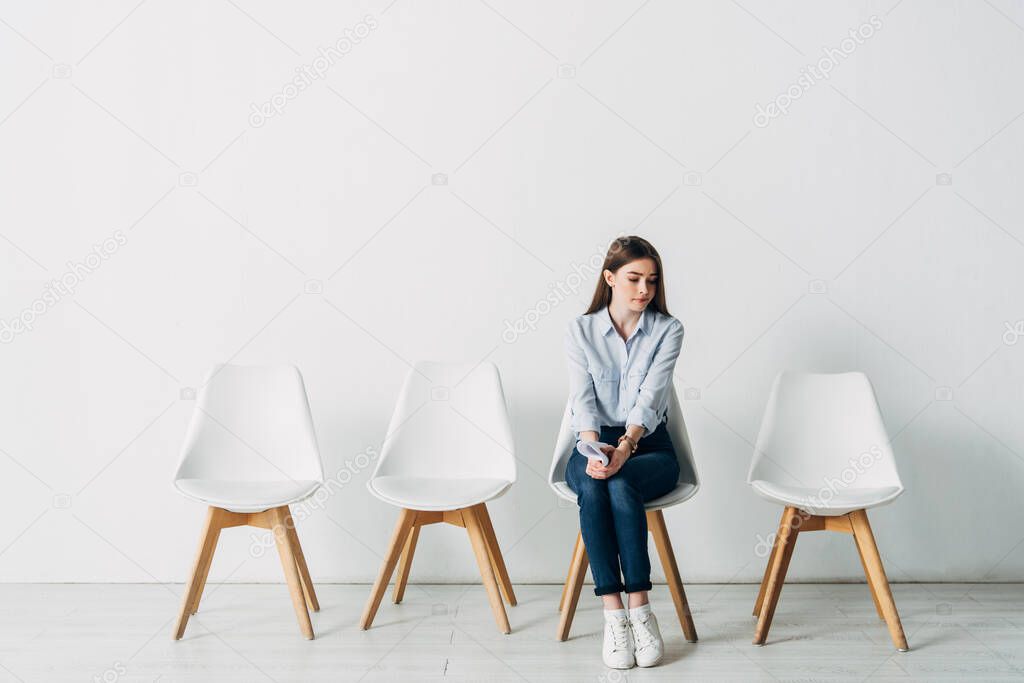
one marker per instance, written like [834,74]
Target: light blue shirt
[617,383]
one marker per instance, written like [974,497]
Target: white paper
[592,450]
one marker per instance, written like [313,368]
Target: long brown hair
[623,250]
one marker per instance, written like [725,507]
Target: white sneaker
[617,652]
[648,646]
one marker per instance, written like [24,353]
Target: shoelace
[642,632]
[620,634]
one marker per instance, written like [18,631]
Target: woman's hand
[616,459]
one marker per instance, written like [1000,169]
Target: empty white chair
[448,451]
[687,487]
[250,452]
[824,454]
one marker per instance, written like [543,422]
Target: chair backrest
[817,426]
[676,428]
[450,421]
[251,423]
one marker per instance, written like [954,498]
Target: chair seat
[677,495]
[246,496]
[825,501]
[428,493]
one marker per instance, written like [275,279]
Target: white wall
[824,240]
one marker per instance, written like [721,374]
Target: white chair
[250,452]
[824,454]
[448,451]
[688,485]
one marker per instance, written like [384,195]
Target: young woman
[622,353]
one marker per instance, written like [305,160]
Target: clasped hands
[617,457]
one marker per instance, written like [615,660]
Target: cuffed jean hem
[608,590]
[637,587]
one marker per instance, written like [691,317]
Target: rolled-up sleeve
[652,400]
[582,400]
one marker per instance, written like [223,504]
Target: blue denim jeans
[612,516]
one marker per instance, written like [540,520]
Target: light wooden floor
[246,632]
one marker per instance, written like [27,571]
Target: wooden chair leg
[787,541]
[572,560]
[656,523]
[767,571]
[203,575]
[876,576]
[402,529]
[494,551]
[867,575]
[483,560]
[289,563]
[201,566]
[300,561]
[405,565]
[574,584]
